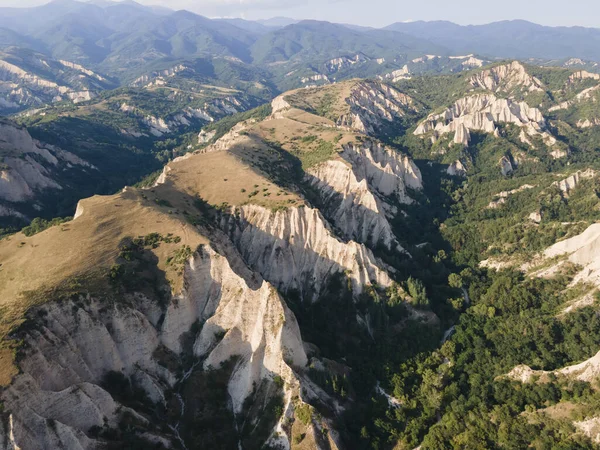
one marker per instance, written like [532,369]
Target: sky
[379,13]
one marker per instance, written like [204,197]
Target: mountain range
[105,35]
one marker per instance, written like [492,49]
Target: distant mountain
[310,40]
[178,35]
[509,39]
[127,40]
[248,25]
[277,22]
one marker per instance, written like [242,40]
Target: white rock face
[506,77]
[387,171]
[397,75]
[211,110]
[37,82]
[258,325]
[587,371]
[56,399]
[590,427]
[279,105]
[501,197]
[583,250]
[29,167]
[425,58]
[205,137]
[350,204]
[157,125]
[506,166]
[158,75]
[588,123]
[337,64]
[356,191]
[570,183]
[7,69]
[471,61]
[589,94]
[80,96]
[81,69]
[457,168]
[574,62]
[315,78]
[481,112]
[370,103]
[295,249]
[535,217]
[583,75]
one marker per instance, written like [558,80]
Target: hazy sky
[384,12]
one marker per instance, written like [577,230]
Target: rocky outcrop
[482,112]
[589,94]
[344,62]
[587,371]
[581,75]
[27,165]
[506,166]
[583,250]
[211,110]
[501,197]
[535,217]
[371,103]
[204,137]
[258,326]
[590,428]
[471,61]
[425,58]
[574,62]
[157,125]
[295,249]
[387,171]
[571,182]
[58,397]
[158,75]
[505,78]
[319,77]
[31,80]
[588,123]
[457,169]
[278,106]
[397,75]
[350,205]
[81,69]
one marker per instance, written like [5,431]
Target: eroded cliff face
[387,171]
[589,94]
[570,183]
[359,190]
[583,250]
[373,102]
[34,80]
[505,78]
[27,165]
[351,205]
[60,394]
[295,249]
[483,112]
[209,112]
